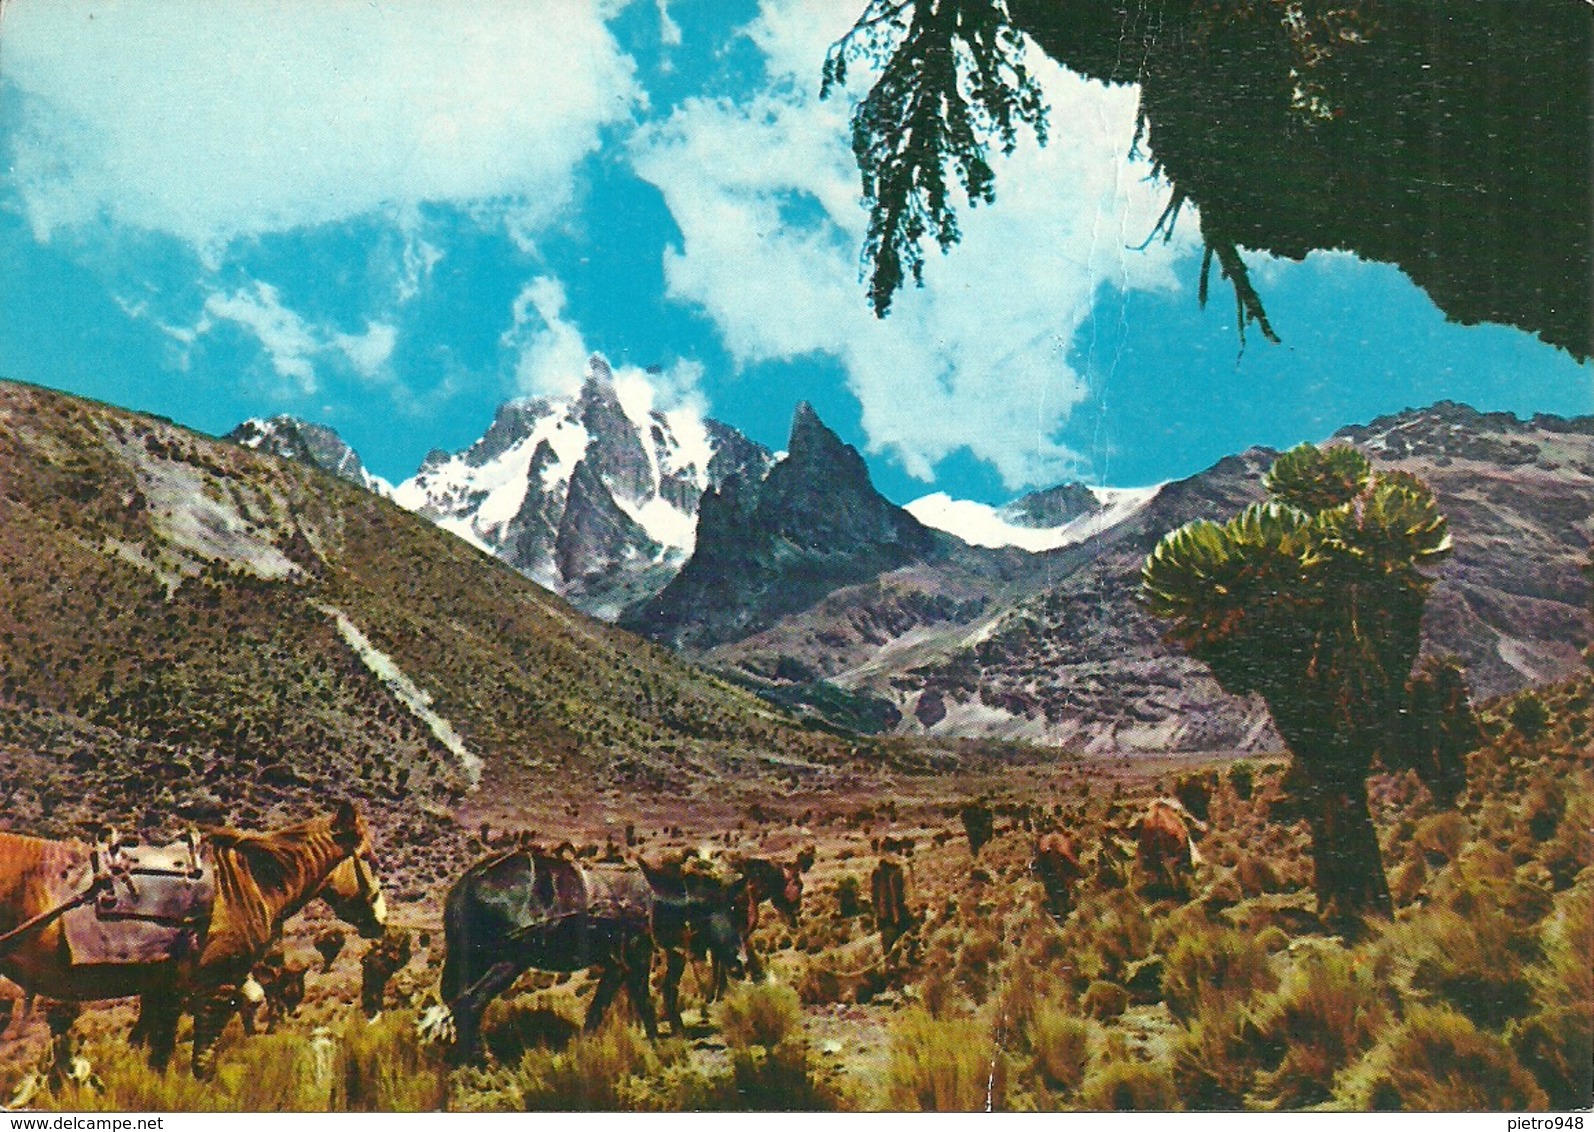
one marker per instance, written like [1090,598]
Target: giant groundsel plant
[1313,600]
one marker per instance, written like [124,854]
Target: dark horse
[778,882]
[523,910]
[255,882]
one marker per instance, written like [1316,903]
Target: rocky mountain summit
[595,496]
[774,546]
[312,444]
[957,619]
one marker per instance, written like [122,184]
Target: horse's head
[789,900]
[351,888]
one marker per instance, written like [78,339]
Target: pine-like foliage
[952,81]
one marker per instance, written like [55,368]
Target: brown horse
[260,880]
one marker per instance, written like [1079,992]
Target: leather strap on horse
[12,938]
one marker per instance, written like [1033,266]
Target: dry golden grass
[764,1015]
[944,1065]
[1122,1083]
[1438,1061]
[1210,965]
[1479,994]
[1325,1015]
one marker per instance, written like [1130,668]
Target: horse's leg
[755,968]
[608,986]
[638,968]
[158,1012]
[60,1016]
[212,1012]
[468,1008]
[674,968]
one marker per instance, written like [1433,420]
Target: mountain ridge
[638,475]
[807,585]
[771,547]
[192,627]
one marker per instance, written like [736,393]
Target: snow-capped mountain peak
[594,494]
[313,444]
[1088,512]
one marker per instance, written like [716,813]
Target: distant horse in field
[1057,865]
[523,910]
[1165,849]
[75,928]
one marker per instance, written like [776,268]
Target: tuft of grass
[1108,931]
[1104,1000]
[1470,964]
[1209,965]
[978,962]
[1567,852]
[1440,837]
[1214,1061]
[1122,1084]
[1326,1015]
[592,1073]
[1438,1061]
[130,1085]
[779,1079]
[382,1067]
[1256,876]
[1059,1042]
[1556,1045]
[1556,1041]
[944,1065]
[281,1072]
[765,1014]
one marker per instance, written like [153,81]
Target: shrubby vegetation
[1478,993]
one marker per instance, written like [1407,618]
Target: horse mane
[271,854]
[664,877]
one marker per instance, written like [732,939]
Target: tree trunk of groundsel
[1348,868]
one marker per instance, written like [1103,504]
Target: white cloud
[286,337]
[293,343]
[210,121]
[552,354]
[368,353]
[669,30]
[766,195]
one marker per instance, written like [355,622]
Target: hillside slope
[187,625]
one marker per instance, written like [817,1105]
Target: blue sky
[392,217]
